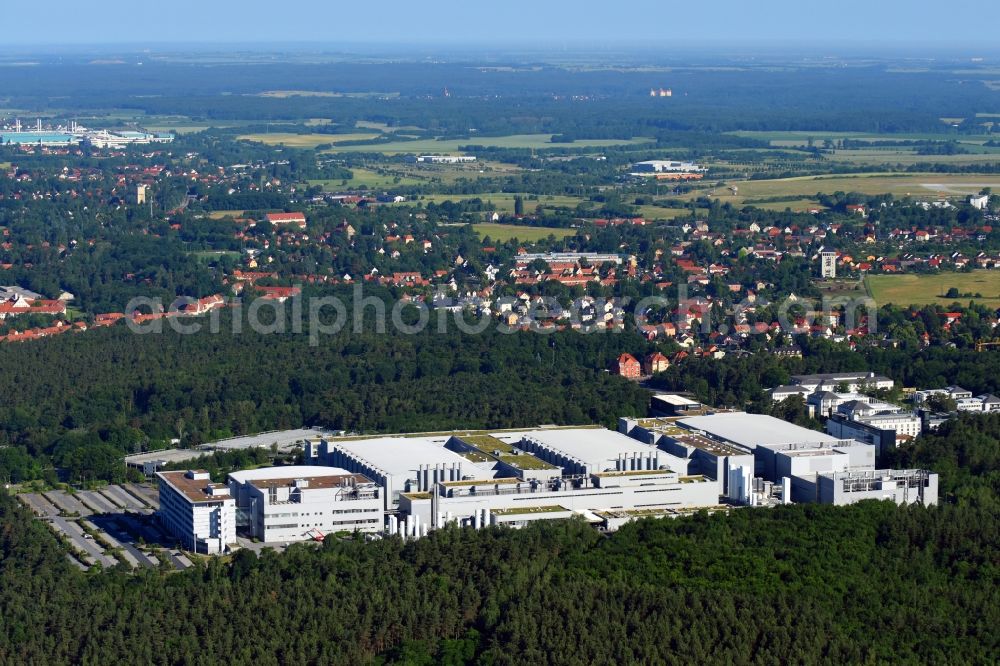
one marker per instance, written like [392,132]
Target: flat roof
[753,430]
[401,455]
[676,400]
[166,455]
[283,438]
[593,446]
[286,472]
[195,489]
[315,483]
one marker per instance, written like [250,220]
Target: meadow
[505,232]
[914,289]
[305,140]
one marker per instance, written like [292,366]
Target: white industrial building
[199,513]
[589,450]
[854,381]
[651,167]
[446,159]
[295,503]
[398,464]
[795,457]
[909,486]
[516,476]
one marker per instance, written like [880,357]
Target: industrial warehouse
[408,485]
[75,135]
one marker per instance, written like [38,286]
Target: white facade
[902,423]
[664,166]
[854,381]
[828,264]
[398,464]
[980,202]
[911,486]
[463,502]
[279,504]
[202,515]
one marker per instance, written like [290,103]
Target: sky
[664,24]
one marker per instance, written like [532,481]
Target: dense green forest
[869,583]
[83,401]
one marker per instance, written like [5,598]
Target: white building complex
[409,484]
[800,460]
[512,477]
[201,514]
[280,504]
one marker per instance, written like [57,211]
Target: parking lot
[110,526]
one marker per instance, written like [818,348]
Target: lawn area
[930,289]
[219,214]
[305,140]
[438,146]
[210,255]
[369,178]
[919,186]
[505,232]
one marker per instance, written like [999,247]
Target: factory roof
[589,445]
[313,483]
[286,472]
[196,490]
[400,455]
[676,400]
[754,430]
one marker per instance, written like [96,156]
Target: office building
[199,513]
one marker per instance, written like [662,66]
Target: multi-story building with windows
[199,513]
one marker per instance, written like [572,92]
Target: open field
[506,232]
[919,186]
[903,155]
[801,138]
[305,140]
[436,146]
[219,214]
[930,289]
[373,180]
[980,155]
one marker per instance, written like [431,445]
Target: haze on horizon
[911,25]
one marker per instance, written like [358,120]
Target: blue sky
[915,23]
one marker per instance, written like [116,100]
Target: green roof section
[552,508]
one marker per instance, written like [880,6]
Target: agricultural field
[931,289]
[447,146]
[506,232]
[305,140]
